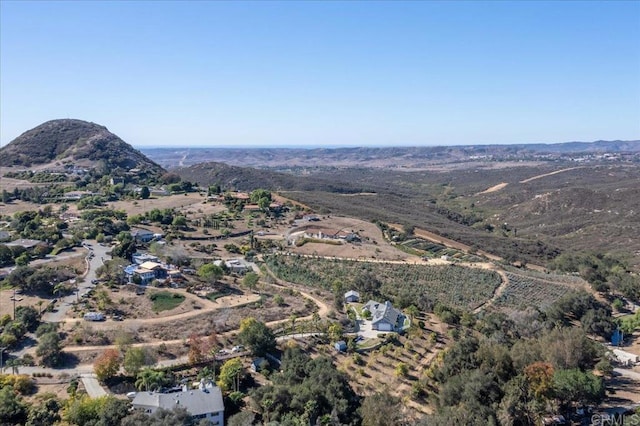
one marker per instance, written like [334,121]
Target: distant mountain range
[411,157]
[80,142]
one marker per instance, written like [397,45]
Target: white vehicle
[94,316]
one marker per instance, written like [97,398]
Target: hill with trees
[81,143]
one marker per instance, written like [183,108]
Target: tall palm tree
[150,380]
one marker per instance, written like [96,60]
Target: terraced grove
[526,290]
[404,284]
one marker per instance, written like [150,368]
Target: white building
[203,403]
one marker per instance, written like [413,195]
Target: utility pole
[14,303]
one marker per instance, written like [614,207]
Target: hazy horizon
[310,147]
[324,73]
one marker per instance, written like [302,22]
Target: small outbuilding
[258,364]
[352,296]
[340,346]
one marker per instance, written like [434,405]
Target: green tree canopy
[210,272]
[257,336]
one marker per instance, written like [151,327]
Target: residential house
[24,243]
[203,403]
[140,258]
[352,296]
[141,235]
[5,235]
[76,195]
[146,272]
[240,196]
[384,317]
[275,207]
[251,208]
[145,275]
[238,266]
[159,192]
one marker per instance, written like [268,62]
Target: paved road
[65,303]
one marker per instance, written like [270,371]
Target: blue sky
[324,73]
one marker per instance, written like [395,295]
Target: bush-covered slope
[77,140]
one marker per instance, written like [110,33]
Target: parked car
[94,316]
[238,348]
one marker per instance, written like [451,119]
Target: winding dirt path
[494,188]
[550,174]
[222,303]
[498,292]
[323,310]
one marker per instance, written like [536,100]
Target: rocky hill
[86,144]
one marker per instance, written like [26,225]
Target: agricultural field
[404,284]
[530,290]
[431,249]
[398,364]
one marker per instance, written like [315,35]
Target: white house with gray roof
[203,403]
[384,317]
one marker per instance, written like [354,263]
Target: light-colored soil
[549,174]
[6,302]
[20,206]
[494,188]
[373,245]
[168,202]
[379,366]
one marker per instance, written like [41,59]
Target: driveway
[92,386]
[65,303]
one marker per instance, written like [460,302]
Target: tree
[250,280]
[335,331]
[13,411]
[540,378]
[243,418]
[6,255]
[145,193]
[49,349]
[107,365]
[179,222]
[150,380]
[199,349]
[134,360]
[28,316]
[381,409]
[260,194]
[257,336]
[575,386]
[125,249]
[44,414]
[231,373]
[401,369]
[210,272]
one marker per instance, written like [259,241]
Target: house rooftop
[150,265]
[380,311]
[23,242]
[197,401]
